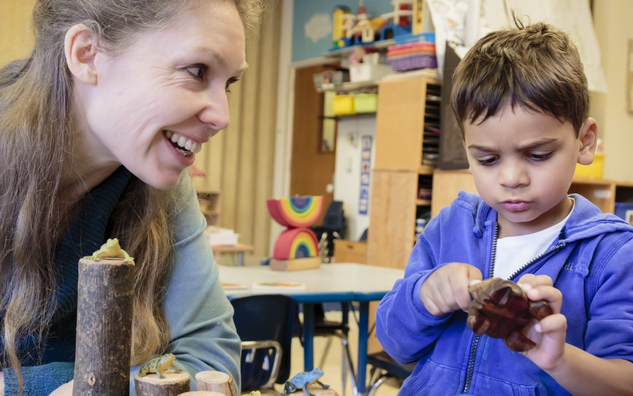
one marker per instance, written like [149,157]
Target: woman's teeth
[182,144]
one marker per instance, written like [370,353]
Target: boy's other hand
[549,333]
[446,289]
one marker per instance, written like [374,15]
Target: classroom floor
[332,367]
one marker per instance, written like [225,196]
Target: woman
[96,130]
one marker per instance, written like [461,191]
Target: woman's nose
[215,109]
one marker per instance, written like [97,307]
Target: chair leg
[377,384]
[325,352]
[344,370]
[348,360]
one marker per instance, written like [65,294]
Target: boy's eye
[198,71]
[487,161]
[539,157]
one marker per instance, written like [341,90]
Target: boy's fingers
[552,323]
[534,281]
[461,294]
[474,274]
[550,294]
[431,307]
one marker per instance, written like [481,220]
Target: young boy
[520,96]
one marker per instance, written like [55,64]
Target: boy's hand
[549,333]
[446,289]
[64,390]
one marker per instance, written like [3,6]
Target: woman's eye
[230,82]
[198,71]
[487,161]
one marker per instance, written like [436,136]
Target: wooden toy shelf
[403,112]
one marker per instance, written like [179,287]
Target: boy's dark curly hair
[535,66]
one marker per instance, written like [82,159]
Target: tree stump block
[173,384]
[215,381]
[104,327]
[315,390]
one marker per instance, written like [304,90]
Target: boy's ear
[80,48]
[588,137]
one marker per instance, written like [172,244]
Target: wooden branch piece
[215,381]
[173,384]
[104,327]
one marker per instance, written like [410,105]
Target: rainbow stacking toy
[297,247]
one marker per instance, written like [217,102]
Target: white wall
[612,22]
[348,169]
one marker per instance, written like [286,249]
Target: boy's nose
[513,175]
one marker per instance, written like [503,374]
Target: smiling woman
[96,129]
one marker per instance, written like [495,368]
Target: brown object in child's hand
[501,309]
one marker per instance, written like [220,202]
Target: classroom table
[238,249]
[342,282]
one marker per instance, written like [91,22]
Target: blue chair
[385,367]
[265,325]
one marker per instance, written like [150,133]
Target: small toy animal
[302,380]
[159,365]
[501,309]
[110,249]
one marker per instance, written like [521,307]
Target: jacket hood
[586,221]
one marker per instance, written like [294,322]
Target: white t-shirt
[515,252]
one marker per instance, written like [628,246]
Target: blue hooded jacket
[591,263]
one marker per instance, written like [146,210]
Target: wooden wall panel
[399,124]
[392,218]
[446,185]
[16,37]
[311,170]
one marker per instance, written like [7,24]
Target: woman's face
[155,105]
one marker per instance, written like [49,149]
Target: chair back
[264,323]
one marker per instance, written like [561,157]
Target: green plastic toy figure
[159,365]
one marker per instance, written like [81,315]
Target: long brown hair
[36,137]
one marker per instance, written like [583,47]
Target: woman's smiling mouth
[184,146]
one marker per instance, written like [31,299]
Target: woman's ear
[588,137]
[80,48]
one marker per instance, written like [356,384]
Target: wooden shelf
[346,50]
[423,202]
[351,86]
[425,170]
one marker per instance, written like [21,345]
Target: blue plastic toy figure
[302,380]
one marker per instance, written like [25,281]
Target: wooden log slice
[201,393]
[215,381]
[316,390]
[173,384]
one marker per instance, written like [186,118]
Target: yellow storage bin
[594,171]
[366,103]
[343,105]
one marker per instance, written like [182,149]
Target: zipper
[540,256]
[473,346]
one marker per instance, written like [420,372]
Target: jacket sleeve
[38,380]
[609,333]
[404,327]
[200,317]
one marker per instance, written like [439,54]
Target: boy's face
[523,163]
